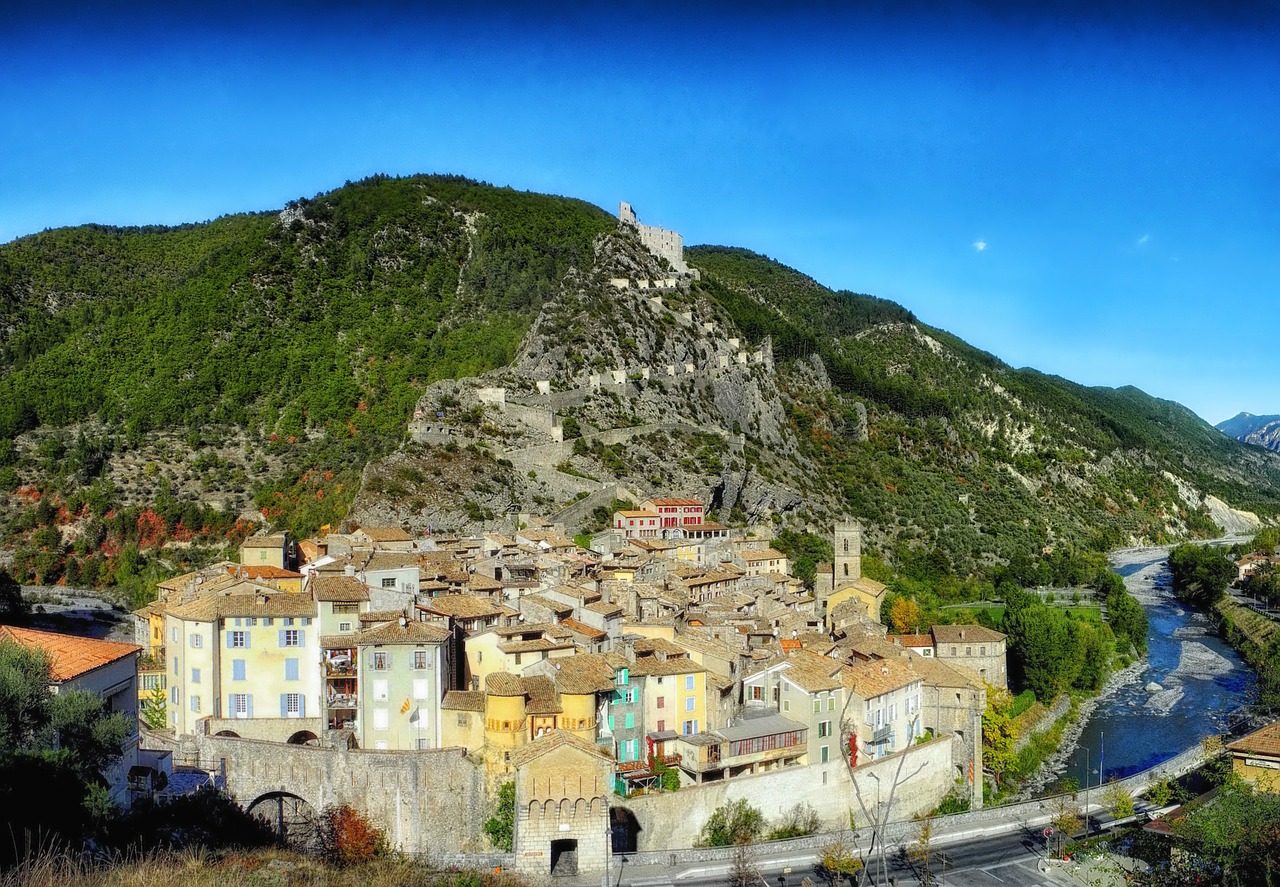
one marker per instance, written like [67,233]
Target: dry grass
[270,868]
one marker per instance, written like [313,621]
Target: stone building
[562,805]
[975,647]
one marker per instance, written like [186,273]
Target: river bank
[1184,690]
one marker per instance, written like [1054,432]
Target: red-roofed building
[676,512]
[107,669]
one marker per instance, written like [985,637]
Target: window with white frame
[239,639]
[292,638]
[421,659]
[197,640]
[293,705]
[344,626]
[238,705]
[195,704]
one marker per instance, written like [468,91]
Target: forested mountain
[1262,431]
[283,356]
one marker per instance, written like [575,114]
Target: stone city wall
[675,820]
[424,800]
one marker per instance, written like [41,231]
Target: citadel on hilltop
[662,242]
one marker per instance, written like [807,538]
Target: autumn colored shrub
[348,838]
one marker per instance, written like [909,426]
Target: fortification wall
[675,820]
[425,800]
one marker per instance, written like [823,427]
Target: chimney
[349,569]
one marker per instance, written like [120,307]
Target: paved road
[1009,859]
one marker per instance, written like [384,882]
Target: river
[1201,681]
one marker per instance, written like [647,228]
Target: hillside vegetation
[283,354]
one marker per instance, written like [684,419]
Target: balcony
[343,701]
[881,734]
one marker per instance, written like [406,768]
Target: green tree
[155,709]
[734,823]
[53,749]
[12,606]
[1118,800]
[1200,573]
[998,732]
[500,827]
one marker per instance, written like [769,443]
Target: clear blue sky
[1090,190]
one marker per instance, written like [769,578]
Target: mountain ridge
[346,353]
[1261,431]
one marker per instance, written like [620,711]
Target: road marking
[992,875]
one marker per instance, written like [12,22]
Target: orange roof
[1260,742]
[70,656]
[790,646]
[638,513]
[910,640]
[265,571]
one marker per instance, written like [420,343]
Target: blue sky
[1090,190]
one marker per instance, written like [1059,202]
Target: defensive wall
[675,819]
[424,800]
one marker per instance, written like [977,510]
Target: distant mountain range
[1262,431]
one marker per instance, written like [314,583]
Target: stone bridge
[424,800]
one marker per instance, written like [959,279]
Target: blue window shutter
[282,637]
[249,704]
[237,669]
[302,705]
[248,638]
[302,638]
[228,636]
[284,705]
[291,669]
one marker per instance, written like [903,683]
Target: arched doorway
[290,817]
[230,734]
[303,737]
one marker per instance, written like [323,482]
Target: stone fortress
[663,243]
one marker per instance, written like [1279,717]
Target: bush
[348,838]
[800,820]
[501,826]
[734,823]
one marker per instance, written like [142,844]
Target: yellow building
[249,655]
[1256,758]
[265,551]
[673,694]
[513,648]
[868,591]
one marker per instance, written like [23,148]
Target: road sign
[1048,830]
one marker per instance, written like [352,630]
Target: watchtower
[848,552]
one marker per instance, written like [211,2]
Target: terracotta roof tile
[1262,742]
[395,633]
[463,700]
[872,679]
[501,683]
[340,589]
[954,634]
[69,656]
[553,740]
[463,606]
[386,534]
